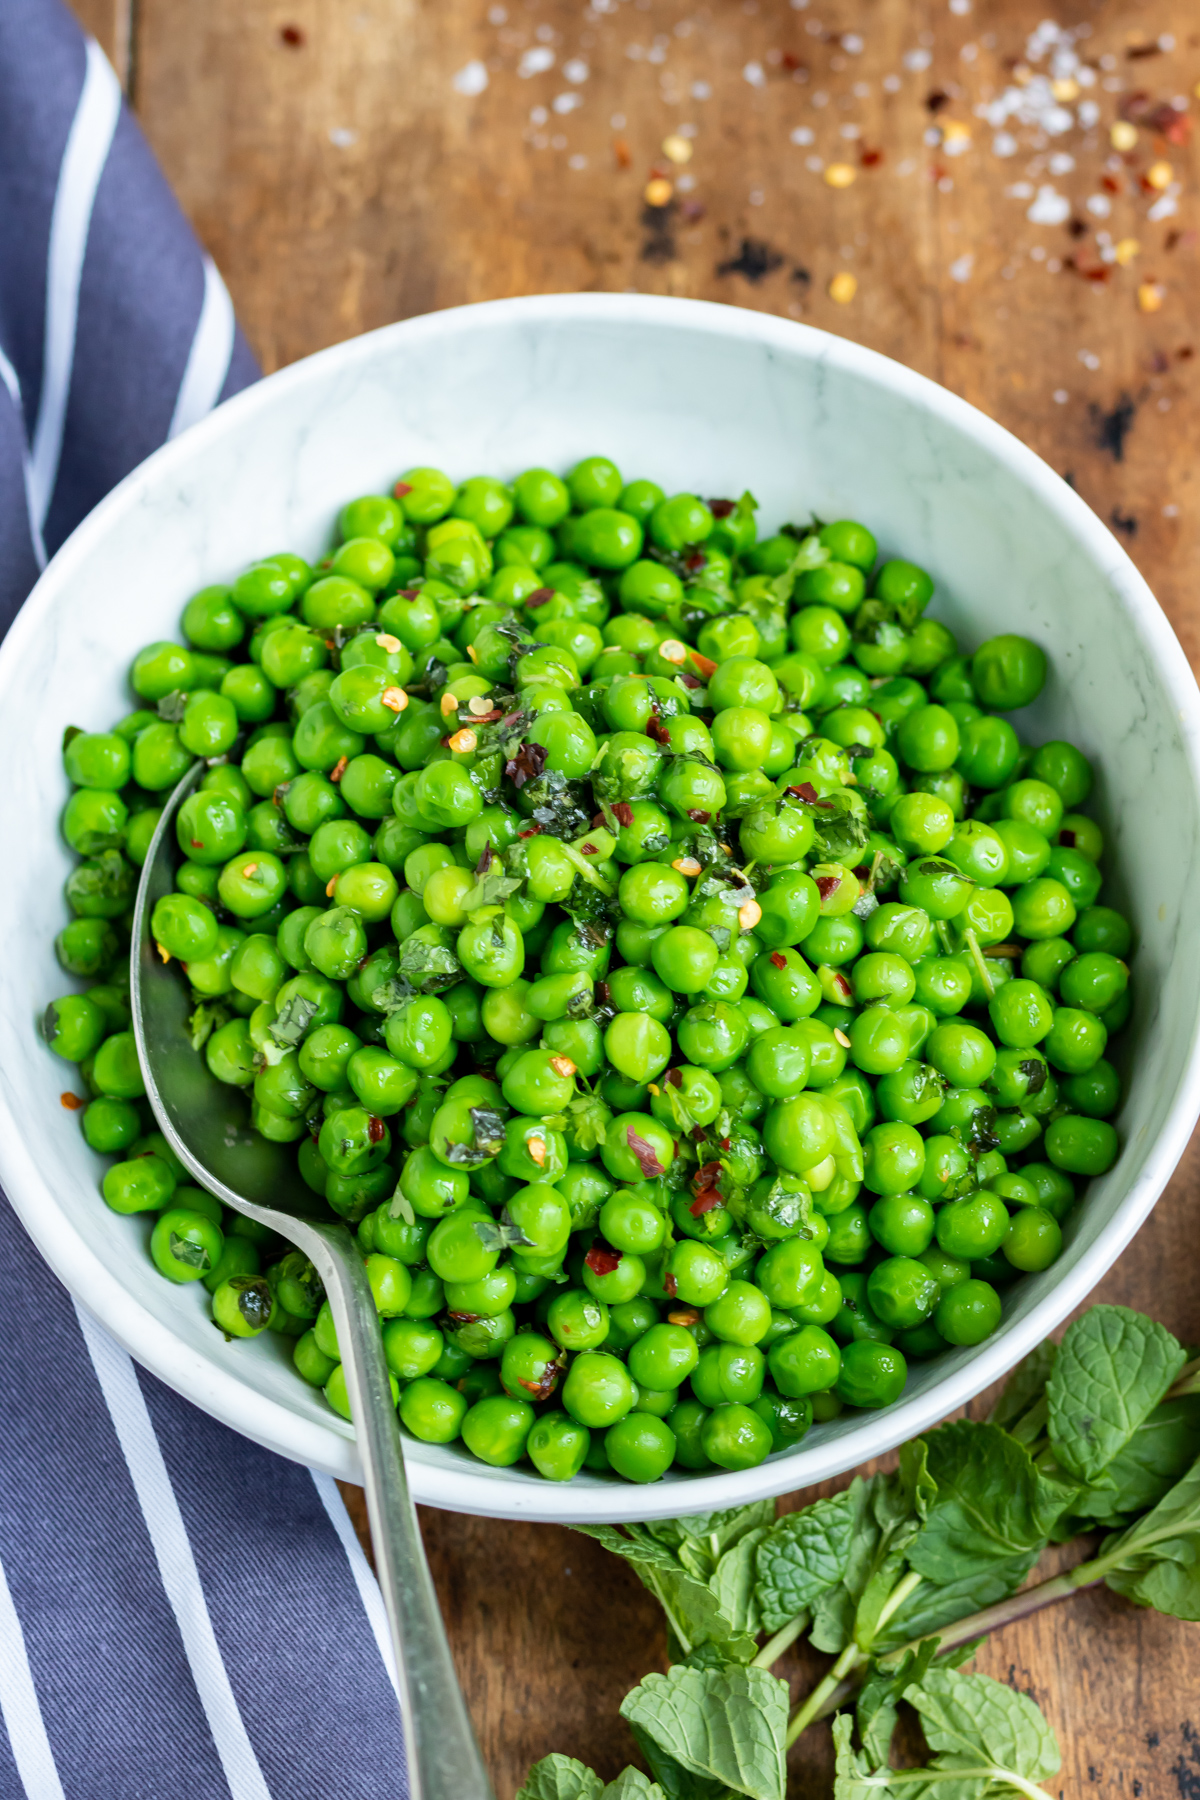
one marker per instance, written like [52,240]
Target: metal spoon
[206,1123]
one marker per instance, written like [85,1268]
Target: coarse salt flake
[1004,144]
[916,60]
[1060,396]
[1049,207]
[576,70]
[755,74]
[566,103]
[1099,205]
[471,79]
[961,267]
[535,61]
[802,134]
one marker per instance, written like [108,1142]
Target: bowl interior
[700,398]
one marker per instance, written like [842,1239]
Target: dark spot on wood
[754,260]
[1112,428]
[801,276]
[1125,522]
[292,36]
[658,222]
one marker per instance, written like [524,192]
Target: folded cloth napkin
[183,1616]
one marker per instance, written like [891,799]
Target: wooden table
[351,162]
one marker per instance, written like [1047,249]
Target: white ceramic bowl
[703,398]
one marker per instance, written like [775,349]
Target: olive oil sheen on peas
[654,938]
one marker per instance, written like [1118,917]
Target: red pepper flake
[724,1143]
[778,959]
[339,768]
[670,1286]
[803,790]
[72,1102]
[705,1202]
[542,1390]
[197,843]
[533,831]
[602,1260]
[539,596]
[695,562]
[870,158]
[697,817]
[828,884]
[401,488]
[464,1318]
[721,509]
[292,36]
[657,730]
[706,1177]
[486,860]
[705,664]
[697,1134]
[622,812]
[1112,184]
[647,1155]
[526,765]
[673,1078]
[1184,352]
[689,681]
[622,153]
[603,993]
[408,593]
[1067,839]
[588,850]
[376,1129]
[863,872]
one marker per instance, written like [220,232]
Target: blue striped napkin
[183,1616]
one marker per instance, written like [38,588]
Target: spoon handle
[444,1759]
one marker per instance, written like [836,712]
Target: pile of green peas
[655,939]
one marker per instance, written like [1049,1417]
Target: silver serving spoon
[206,1123]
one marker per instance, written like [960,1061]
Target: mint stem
[992,1618]
[783,1640]
[816,1707]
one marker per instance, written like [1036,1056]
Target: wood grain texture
[342,182]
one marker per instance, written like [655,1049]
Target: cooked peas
[630,931]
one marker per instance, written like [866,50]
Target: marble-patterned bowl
[700,397]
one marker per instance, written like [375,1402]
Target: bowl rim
[472,1488]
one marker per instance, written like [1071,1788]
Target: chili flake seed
[1150,296]
[705,664]
[72,1102]
[473,653]
[687,865]
[622,154]
[1065,89]
[250,869]
[448,704]
[672,650]
[843,288]
[394,698]
[479,704]
[749,915]
[339,768]
[165,954]
[686,1316]
[331,887]
[1123,135]
[537,1150]
[677,149]
[1158,176]
[654,1088]
[387,642]
[841,1037]
[658,191]
[464,741]
[562,1065]
[1125,250]
[840,175]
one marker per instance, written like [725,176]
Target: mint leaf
[971,1719]
[427,959]
[724,1725]
[1160,1453]
[400,1208]
[588,1120]
[192,1256]
[1113,1368]
[878,1706]
[290,1026]
[560,1778]
[1024,1393]
[631,1784]
[172,706]
[993,1505]
[804,1555]
[694,1615]
[501,1234]
[676,1782]
[732,1583]
[208,1017]
[1157,1560]
[852,1779]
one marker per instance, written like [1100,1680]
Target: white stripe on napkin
[360,1568]
[208,358]
[176,1563]
[83,163]
[20,1710]
[8,375]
